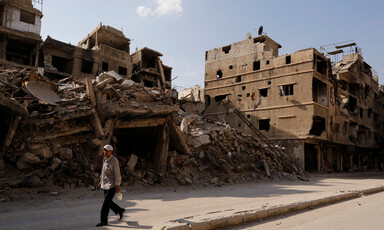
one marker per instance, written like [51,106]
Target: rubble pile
[57,129]
[57,141]
[223,155]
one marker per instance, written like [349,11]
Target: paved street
[152,207]
[362,213]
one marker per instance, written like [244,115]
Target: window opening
[27,17]
[310,155]
[264,124]
[321,65]
[62,64]
[263,92]
[238,79]
[319,92]
[286,90]
[243,88]
[86,66]
[288,60]
[219,98]
[231,67]
[219,74]
[369,112]
[256,65]
[318,126]
[122,71]
[104,66]
[352,102]
[226,49]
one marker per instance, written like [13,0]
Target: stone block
[27,160]
[132,161]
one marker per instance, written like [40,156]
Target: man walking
[110,183]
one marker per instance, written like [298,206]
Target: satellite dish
[261,30]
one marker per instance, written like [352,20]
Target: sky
[182,30]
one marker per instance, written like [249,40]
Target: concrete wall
[249,76]
[115,59]
[13,21]
[289,115]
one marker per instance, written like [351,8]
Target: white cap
[108,147]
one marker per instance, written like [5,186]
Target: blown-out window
[286,90]
[27,17]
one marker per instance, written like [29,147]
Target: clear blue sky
[184,29]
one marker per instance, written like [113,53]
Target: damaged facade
[147,68]
[20,39]
[328,119]
[56,118]
[84,98]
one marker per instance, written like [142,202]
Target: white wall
[13,21]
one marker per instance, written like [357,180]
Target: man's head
[108,149]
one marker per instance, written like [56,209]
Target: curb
[254,215]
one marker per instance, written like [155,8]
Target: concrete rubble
[60,103]
[58,143]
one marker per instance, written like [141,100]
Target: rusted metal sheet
[42,89]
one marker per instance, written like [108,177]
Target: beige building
[147,68]
[20,25]
[104,49]
[297,102]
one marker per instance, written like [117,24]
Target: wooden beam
[12,131]
[13,105]
[51,136]
[161,73]
[177,139]
[109,126]
[149,122]
[91,92]
[266,167]
[99,97]
[97,124]
[161,152]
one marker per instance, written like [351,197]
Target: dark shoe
[101,224]
[121,213]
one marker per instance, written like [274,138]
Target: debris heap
[55,131]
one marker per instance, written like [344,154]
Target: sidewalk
[188,207]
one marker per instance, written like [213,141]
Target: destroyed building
[84,98]
[103,50]
[327,116]
[20,39]
[149,69]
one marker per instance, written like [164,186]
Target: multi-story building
[20,25]
[149,69]
[104,49]
[296,101]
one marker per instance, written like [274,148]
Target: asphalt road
[366,212]
[151,207]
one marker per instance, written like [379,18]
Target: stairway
[287,162]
